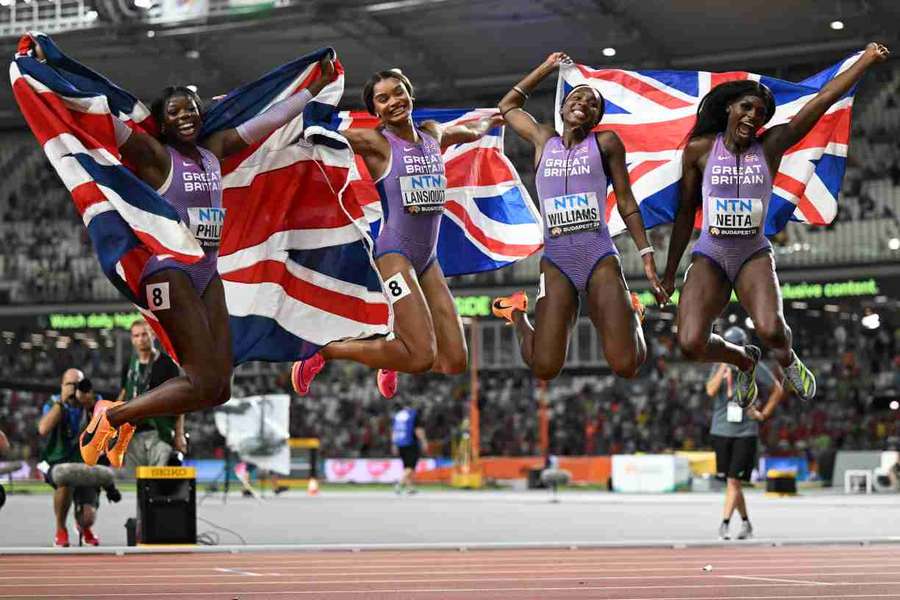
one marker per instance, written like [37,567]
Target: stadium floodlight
[5,2]
[894,243]
[609,51]
[837,25]
[91,15]
[145,4]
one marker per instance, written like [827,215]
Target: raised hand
[555,59]
[877,52]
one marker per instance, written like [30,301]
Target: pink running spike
[387,383]
[304,371]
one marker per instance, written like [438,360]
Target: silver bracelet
[646,251]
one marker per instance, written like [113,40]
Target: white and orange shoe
[116,454]
[504,307]
[387,382]
[95,438]
[304,371]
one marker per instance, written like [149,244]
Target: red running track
[748,573]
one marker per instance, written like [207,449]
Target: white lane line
[661,566]
[310,583]
[782,580]
[234,571]
[591,568]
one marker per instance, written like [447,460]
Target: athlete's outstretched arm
[614,151]
[520,120]
[778,139]
[229,141]
[691,178]
[460,134]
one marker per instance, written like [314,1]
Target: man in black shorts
[64,416]
[408,440]
[735,432]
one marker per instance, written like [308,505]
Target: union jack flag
[489,219]
[653,112]
[293,258]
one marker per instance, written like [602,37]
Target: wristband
[520,91]
[646,251]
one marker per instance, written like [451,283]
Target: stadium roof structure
[455,51]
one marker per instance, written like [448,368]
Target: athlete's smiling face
[392,101]
[181,119]
[745,116]
[581,107]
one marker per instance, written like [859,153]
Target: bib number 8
[397,288]
[158,296]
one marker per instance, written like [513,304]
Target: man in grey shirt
[735,432]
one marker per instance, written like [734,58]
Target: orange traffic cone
[312,488]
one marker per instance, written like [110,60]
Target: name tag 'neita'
[734,217]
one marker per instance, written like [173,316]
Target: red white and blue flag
[295,264]
[653,112]
[295,254]
[490,220]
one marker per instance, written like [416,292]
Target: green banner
[119,320]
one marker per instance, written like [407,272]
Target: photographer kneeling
[64,416]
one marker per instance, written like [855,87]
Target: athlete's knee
[772,331]
[625,365]
[693,344]
[546,368]
[453,362]
[422,354]
[209,387]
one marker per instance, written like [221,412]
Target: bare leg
[544,346]
[705,293]
[740,503]
[452,353]
[732,492]
[758,291]
[614,318]
[62,500]
[414,346]
[198,330]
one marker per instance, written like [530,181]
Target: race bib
[206,224]
[423,194]
[572,213]
[734,217]
[734,413]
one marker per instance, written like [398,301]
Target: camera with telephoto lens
[84,386]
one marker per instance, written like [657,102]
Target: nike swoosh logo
[186,164]
[500,306]
[408,149]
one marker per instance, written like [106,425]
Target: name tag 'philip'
[206,224]
[572,213]
[423,194]
[734,217]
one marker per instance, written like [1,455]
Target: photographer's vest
[137,382]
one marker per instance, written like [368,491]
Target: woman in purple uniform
[728,171]
[404,160]
[573,171]
[187,299]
